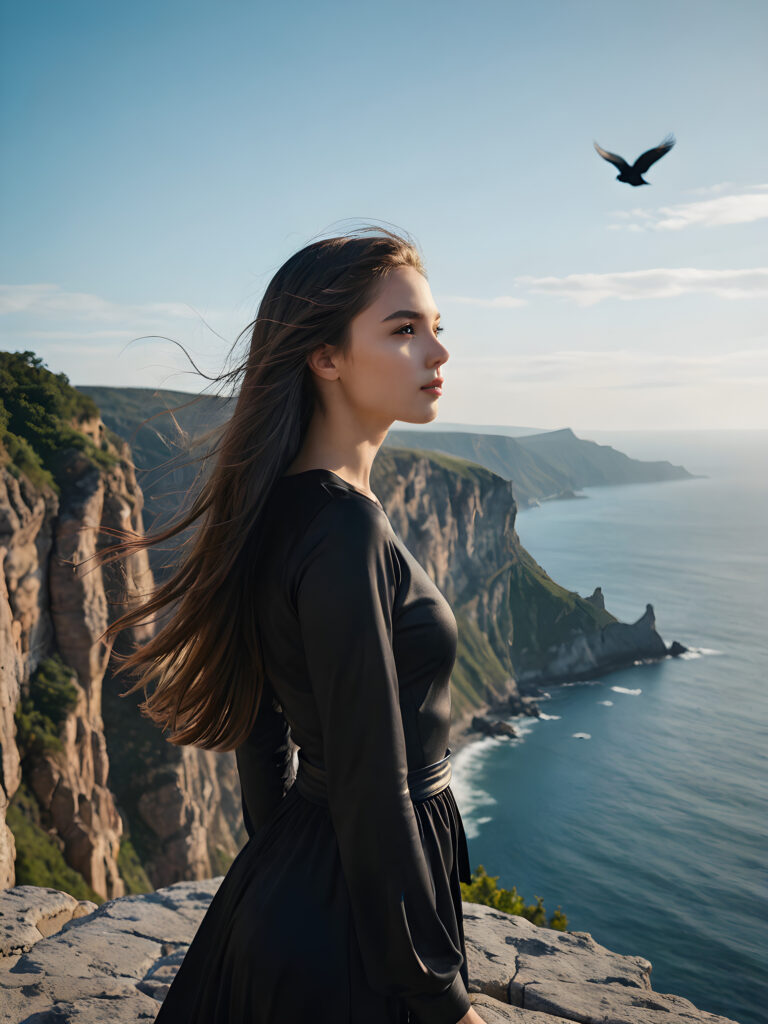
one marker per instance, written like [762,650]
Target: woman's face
[394,351]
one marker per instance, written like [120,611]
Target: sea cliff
[93,800]
[47,609]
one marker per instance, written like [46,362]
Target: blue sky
[160,161]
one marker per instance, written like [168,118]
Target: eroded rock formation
[50,603]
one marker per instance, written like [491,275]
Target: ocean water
[638,802]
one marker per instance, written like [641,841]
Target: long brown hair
[206,657]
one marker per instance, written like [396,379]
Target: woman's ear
[323,360]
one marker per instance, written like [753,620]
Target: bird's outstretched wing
[612,158]
[650,156]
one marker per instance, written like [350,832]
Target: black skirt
[277,944]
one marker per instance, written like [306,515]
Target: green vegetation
[40,413]
[39,859]
[39,717]
[483,889]
[544,613]
[479,676]
[452,463]
[131,869]
[40,714]
[221,861]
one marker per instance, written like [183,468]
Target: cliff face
[47,608]
[518,627]
[18,521]
[543,466]
[458,521]
[112,768]
[587,653]
[183,805]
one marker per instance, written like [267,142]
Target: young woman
[299,615]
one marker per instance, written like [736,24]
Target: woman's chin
[422,416]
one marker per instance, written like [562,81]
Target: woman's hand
[471,1017]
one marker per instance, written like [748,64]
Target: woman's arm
[344,591]
[471,1017]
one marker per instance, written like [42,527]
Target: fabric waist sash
[422,782]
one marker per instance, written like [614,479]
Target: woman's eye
[437,329]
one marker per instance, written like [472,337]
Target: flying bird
[634,175]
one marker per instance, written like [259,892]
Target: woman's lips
[434,389]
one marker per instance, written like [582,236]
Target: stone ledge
[115,962]
[520,971]
[29,913]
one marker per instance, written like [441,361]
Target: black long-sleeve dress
[346,911]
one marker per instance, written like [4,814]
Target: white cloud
[95,340]
[734,208]
[50,300]
[659,283]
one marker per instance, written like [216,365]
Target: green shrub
[40,714]
[483,889]
[22,458]
[39,415]
[131,869]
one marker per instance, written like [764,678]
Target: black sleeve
[265,762]
[344,590]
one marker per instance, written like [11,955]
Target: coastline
[462,732]
[617,646]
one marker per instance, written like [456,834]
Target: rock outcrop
[518,627]
[103,766]
[48,606]
[117,962]
[616,645]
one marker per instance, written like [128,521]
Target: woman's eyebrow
[411,314]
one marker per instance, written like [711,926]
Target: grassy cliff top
[41,420]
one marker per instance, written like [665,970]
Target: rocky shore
[586,656]
[490,720]
[71,962]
